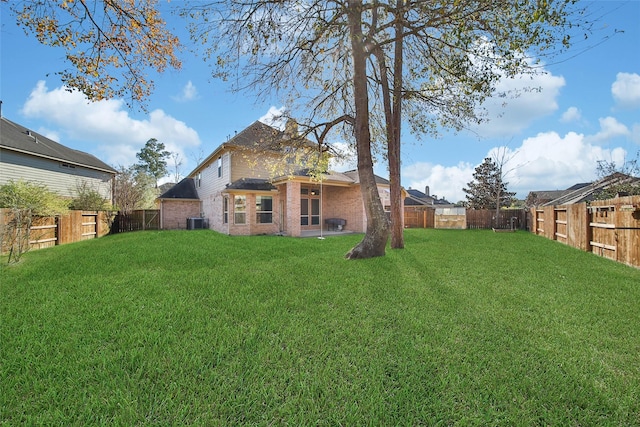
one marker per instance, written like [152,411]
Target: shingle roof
[254,184]
[257,135]
[185,189]
[18,138]
[417,197]
[353,174]
[587,193]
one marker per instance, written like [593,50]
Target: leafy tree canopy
[109,44]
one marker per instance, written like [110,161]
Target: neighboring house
[418,198]
[234,191]
[586,192]
[539,198]
[25,154]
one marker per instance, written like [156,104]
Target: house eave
[244,191]
[59,159]
[162,199]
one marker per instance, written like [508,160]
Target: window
[198,179]
[225,210]
[240,210]
[264,209]
[304,211]
[220,167]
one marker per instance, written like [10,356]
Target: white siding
[59,179]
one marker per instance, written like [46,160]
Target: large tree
[488,190]
[369,61]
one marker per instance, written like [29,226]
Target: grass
[179,328]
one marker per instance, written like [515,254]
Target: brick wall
[176,212]
[345,203]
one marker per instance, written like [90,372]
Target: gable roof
[587,193]
[185,189]
[20,139]
[256,136]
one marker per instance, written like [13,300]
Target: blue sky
[588,109]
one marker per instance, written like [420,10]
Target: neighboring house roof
[185,189]
[587,192]
[578,186]
[418,198]
[545,196]
[21,139]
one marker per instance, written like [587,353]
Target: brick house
[235,192]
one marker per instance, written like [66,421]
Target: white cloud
[609,128]
[274,117]
[626,90]
[189,93]
[105,128]
[443,181]
[546,161]
[572,114]
[507,116]
[552,162]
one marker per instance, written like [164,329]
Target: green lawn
[178,328]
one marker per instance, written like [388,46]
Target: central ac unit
[195,223]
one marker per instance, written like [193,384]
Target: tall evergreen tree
[153,159]
[488,190]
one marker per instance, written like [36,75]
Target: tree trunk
[375,240]
[395,190]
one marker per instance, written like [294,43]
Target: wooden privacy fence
[608,228]
[419,217]
[143,219]
[427,217]
[59,230]
[508,219]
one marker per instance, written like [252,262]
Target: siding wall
[210,191]
[246,164]
[61,180]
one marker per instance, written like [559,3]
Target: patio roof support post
[293,208]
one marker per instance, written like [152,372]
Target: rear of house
[238,194]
